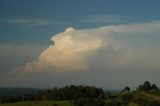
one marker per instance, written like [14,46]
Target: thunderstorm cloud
[108,56]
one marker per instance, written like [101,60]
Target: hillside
[81,95]
[147,94]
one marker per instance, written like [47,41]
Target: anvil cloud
[108,54]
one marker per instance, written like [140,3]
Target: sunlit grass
[40,103]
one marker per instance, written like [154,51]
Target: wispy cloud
[92,19]
[105,19]
[30,22]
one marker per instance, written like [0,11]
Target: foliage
[126,89]
[64,93]
[80,95]
[89,102]
[154,87]
[147,86]
[127,98]
[72,92]
[143,100]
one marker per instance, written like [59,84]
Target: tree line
[65,93]
[83,95]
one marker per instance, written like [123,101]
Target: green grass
[39,103]
[133,104]
[137,95]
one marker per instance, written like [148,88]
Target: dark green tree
[154,87]
[147,86]
[126,89]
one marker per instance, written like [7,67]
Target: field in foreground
[40,103]
[141,96]
[45,103]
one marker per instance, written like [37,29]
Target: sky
[106,43]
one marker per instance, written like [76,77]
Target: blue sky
[104,38]
[60,14]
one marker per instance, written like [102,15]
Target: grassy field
[48,103]
[133,104]
[40,103]
[45,103]
[150,95]
[142,95]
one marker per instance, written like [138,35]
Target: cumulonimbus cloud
[68,52]
[101,51]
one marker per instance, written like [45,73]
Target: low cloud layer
[108,56]
[105,19]
[30,22]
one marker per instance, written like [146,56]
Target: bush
[154,103]
[54,105]
[100,102]
[83,101]
[141,101]
[114,103]
[89,102]
[127,98]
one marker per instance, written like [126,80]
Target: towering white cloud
[92,54]
[68,52]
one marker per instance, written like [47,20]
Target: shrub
[127,98]
[89,102]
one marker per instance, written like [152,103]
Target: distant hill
[18,91]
